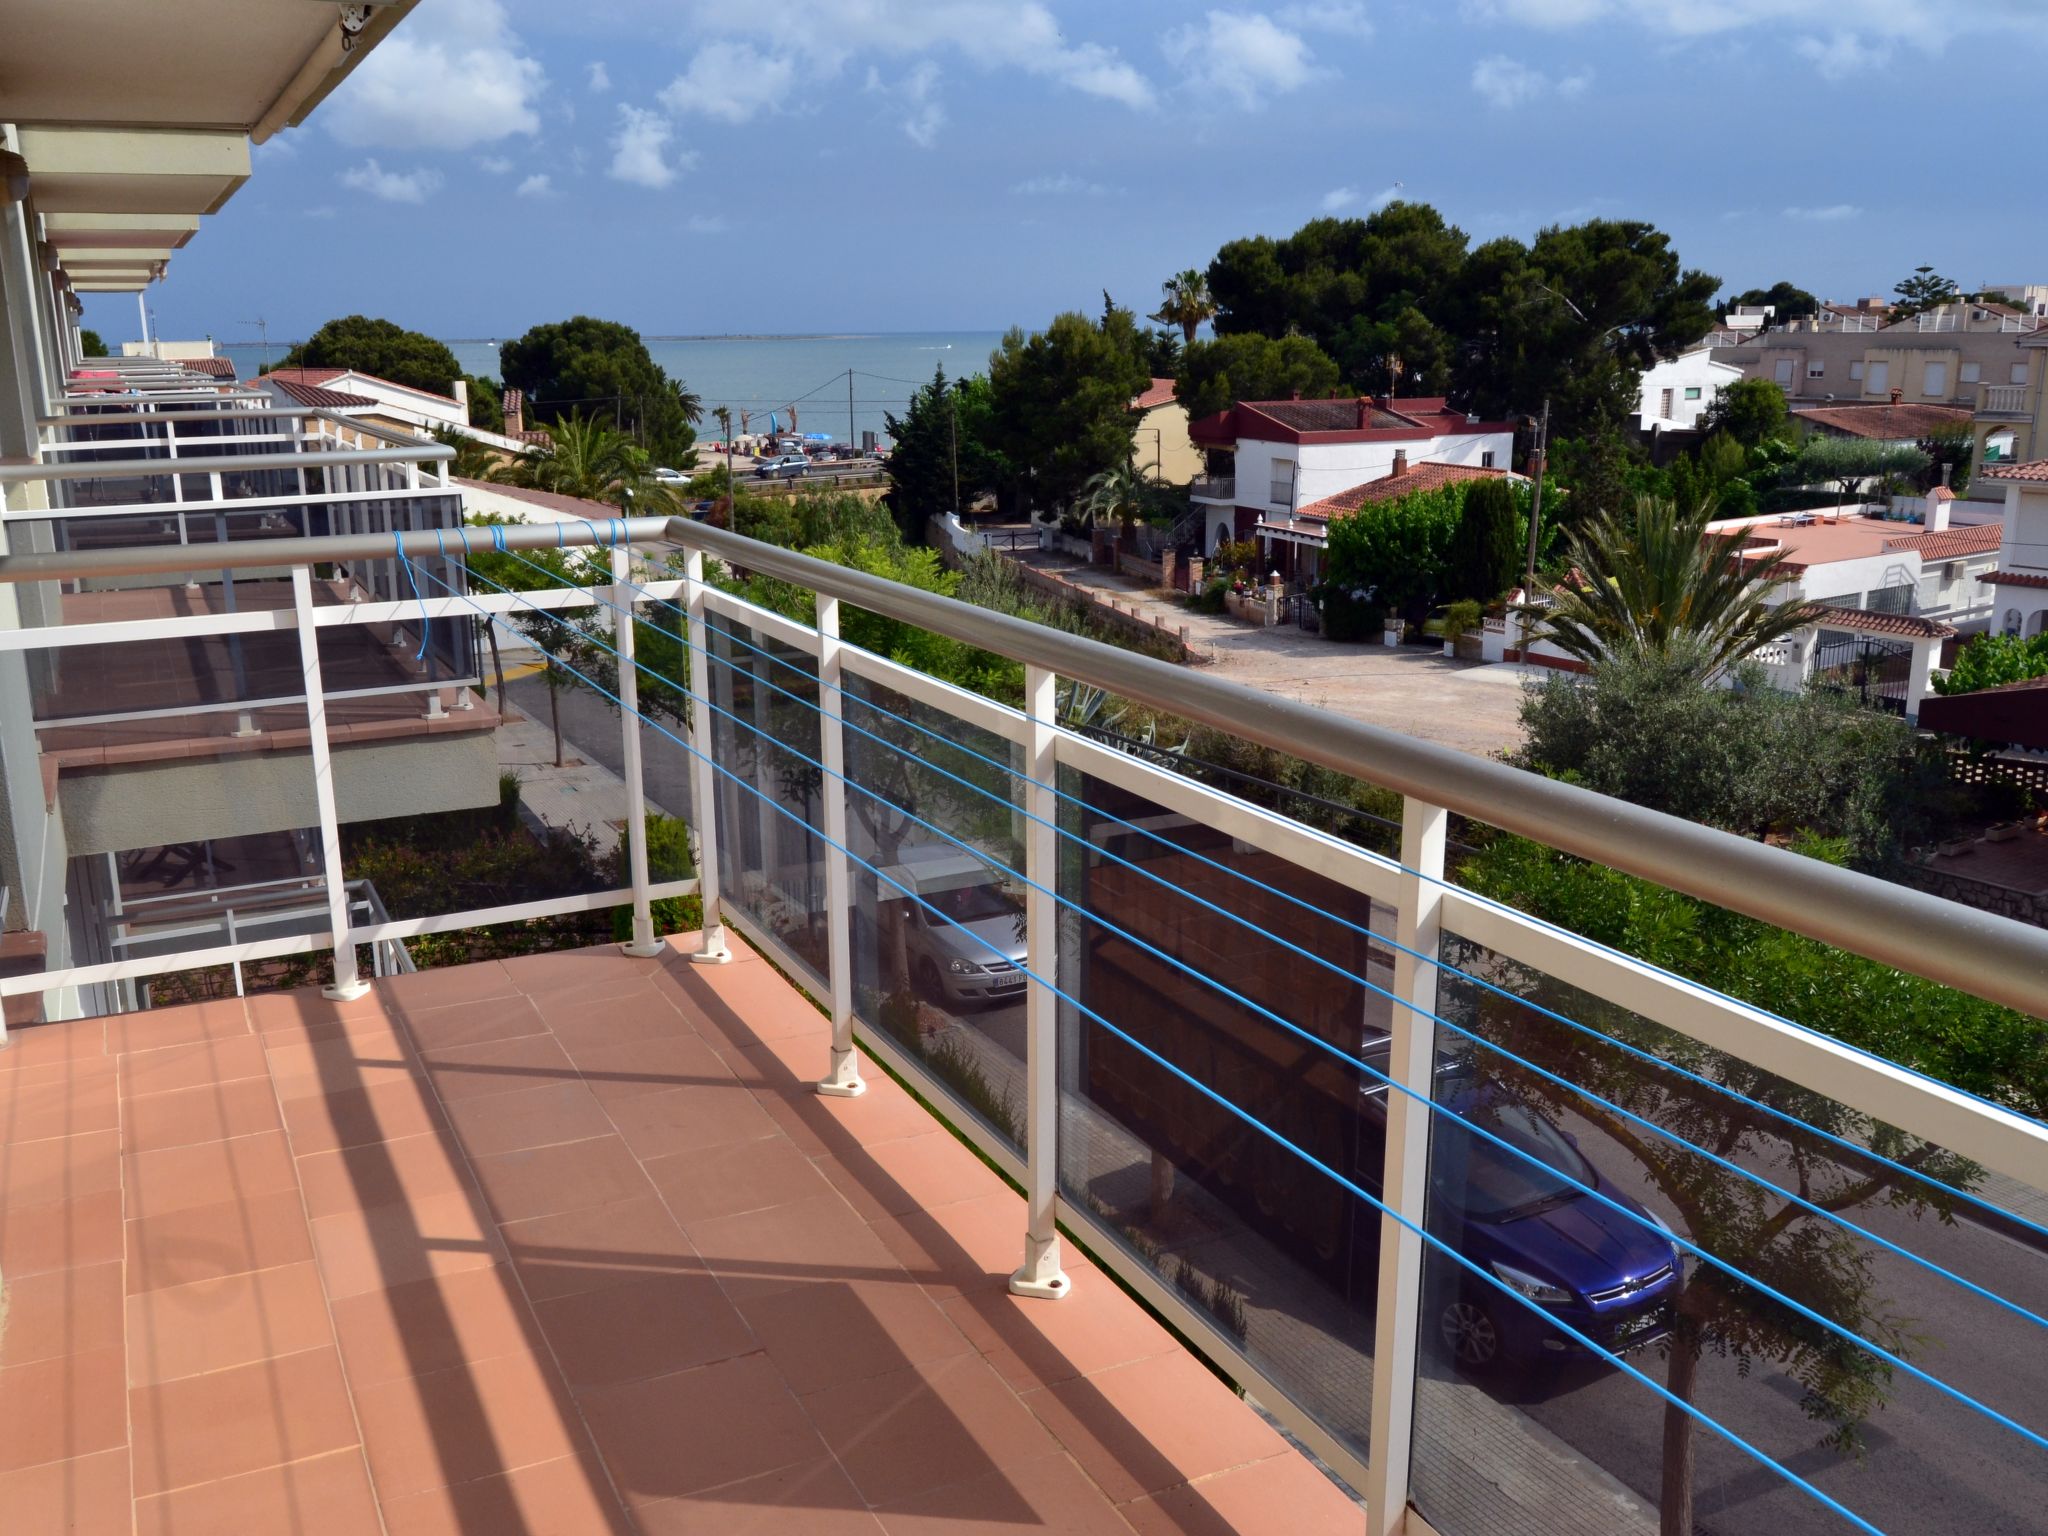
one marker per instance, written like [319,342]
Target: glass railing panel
[935,825]
[1165,915]
[1594,1124]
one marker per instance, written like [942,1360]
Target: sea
[768,375]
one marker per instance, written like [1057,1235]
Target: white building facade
[1677,392]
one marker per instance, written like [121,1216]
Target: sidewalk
[581,793]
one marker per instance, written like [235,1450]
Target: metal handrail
[426,450]
[1979,952]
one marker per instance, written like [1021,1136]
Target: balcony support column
[703,780]
[842,1079]
[1041,1274]
[346,984]
[1411,1063]
[643,944]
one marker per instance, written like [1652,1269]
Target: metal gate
[1877,672]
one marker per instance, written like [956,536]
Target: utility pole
[956,456]
[1538,456]
[849,411]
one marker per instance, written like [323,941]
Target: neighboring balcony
[1214,488]
[2007,402]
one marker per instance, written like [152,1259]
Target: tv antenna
[262,330]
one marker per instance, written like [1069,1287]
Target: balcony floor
[555,1246]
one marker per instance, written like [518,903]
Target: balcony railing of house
[2004,400]
[1935,322]
[1213,488]
[1327,1111]
[2024,325]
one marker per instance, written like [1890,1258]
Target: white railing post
[703,781]
[842,1079]
[1041,1274]
[346,983]
[1411,1063]
[643,943]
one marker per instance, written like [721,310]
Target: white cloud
[708,224]
[1338,199]
[537,185]
[923,114]
[392,186]
[1065,184]
[599,77]
[1346,18]
[497,165]
[1506,82]
[1928,24]
[454,76]
[1842,54]
[990,34]
[1829,214]
[640,149]
[1246,56]
[322,211]
[279,147]
[731,82]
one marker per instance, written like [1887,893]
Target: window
[1877,378]
[1664,409]
[1969,373]
[1784,371]
[1855,373]
[1934,383]
[1486,458]
[1817,370]
[1692,391]
[1281,493]
[2019,373]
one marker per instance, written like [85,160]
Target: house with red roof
[1279,468]
[385,403]
[1160,443]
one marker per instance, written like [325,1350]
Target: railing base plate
[347,994]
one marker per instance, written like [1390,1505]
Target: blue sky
[694,166]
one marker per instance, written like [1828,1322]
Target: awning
[1310,535]
[2014,714]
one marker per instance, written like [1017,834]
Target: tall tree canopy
[1186,303]
[1215,374]
[603,370]
[1925,289]
[947,420]
[381,347]
[1787,301]
[91,345]
[1061,400]
[1751,411]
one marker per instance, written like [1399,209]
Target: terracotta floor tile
[650,1326]
[685,1120]
[60,1234]
[675,1435]
[326,1495]
[191,1066]
[884,1113]
[39,1045]
[828,1334]
[624,1069]
[1047,1494]
[727,1180]
[59,1312]
[1143,1428]
[568,1176]
[766,1251]
[748,1003]
[570,1496]
[60,1168]
[207,1242]
[86,1496]
[1034,1343]
[207,1173]
[62,1099]
[645,1013]
[153,1029]
[55,1410]
[497,1066]
[531,1117]
[474,1023]
[443,987]
[286,1018]
[435,1324]
[383,1173]
[813,1498]
[390,1245]
[602,971]
[1282,1493]
[917,1173]
[363,1060]
[477,1420]
[213,1112]
[950,1421]
[384,1113]
[183,1330]
[590,1249]
[975,1245]
[241,1420]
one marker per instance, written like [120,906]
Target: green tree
[1487,548]
[473,461]
[1925,289]
[1162,354]
[1186,303]
[1396,551]
[90,344]
[944,421]
[382,348]
[593,460]
[1852,464]
[1214,375]
[1992,660]
[1788,301]
[602,369]
[1122,492]
[1751,411]
[1953,447]
[1661,586]
[486,404]
[1060,401]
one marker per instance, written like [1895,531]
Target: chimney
[461,394]
[1400,461]
[1936,517]
[1364,413]
[1294,394]
[515,412]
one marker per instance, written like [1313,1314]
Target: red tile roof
[2015,578]
[218,367]
[1951,543]
[1942,493]
[328,375]
[1863,621]
[315,396]
[1883,420]
[2032,470]
[1426,476]
[1160,393]
[1350,419]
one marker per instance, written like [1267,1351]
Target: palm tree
[473,460]
[1122,492]
[1187,303]
[1662,588]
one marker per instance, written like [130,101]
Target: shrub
[1990,660]
[1349,613]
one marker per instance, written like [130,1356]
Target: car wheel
[1471,1334]
[929,981]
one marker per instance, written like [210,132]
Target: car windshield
[967,904]
[1498,1184]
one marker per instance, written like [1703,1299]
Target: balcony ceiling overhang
[85,258]
[133,171]
[246,66]
[155,233]
[110,285]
